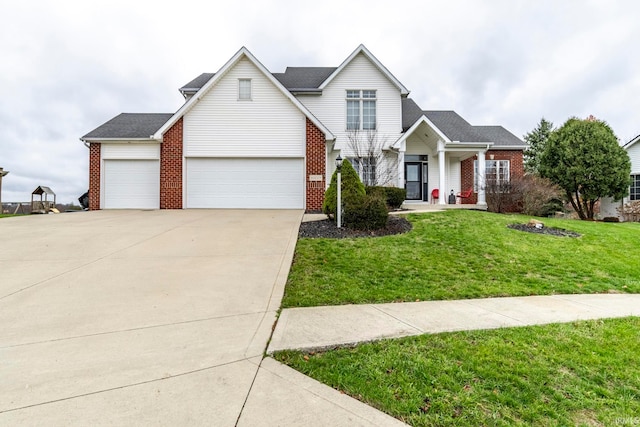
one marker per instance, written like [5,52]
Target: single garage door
[245,183]
[131,184]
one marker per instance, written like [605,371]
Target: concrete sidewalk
[321,327]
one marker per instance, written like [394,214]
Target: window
[366,168]
[361,109]
[634,190]
[496,172]
[244,89]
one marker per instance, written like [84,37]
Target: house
[608,206]
[249,138]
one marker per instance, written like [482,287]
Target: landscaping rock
[534,223]
[560,232]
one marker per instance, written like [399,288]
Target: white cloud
[69,66]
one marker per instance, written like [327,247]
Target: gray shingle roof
[294,79]
[455,127]
[129,125]
[410,113]
[501,136]
[301,78]
[458,129]
[195,84]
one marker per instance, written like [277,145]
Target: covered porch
[429,164]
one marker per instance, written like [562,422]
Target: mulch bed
[327,229]
[560,232]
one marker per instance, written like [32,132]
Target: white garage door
[245,183]
[131,184]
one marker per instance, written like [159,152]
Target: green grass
[465,254]
[582,373]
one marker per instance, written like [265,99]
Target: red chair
[435,194]
[464,194]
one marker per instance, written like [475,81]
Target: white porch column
[442,184]
[482,200]
[401,169]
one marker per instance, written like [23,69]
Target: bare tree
[376,166]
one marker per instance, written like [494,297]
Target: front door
[413,180]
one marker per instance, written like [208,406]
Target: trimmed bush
[377,190]
[366,213]
[395,197]
[352,189]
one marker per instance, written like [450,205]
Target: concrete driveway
[137,317]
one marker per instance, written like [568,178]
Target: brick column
[316,167]
[516,168]
[94,176]
[171,168]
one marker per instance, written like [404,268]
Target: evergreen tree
[537,140]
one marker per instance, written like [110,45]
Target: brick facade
[171,168]
[94,176]
[516,168]
[316,166]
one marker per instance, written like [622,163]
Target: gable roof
[455,128]
[363,50]
[630,143]
[129,126]
[242,53]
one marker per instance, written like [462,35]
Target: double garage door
[245,183]
[209,183]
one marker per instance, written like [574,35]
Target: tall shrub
[352,190]
[584,158]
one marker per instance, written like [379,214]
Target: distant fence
[14,208]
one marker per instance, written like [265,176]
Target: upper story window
[634,191]
[361,109]
[244,89]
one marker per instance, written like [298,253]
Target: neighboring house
[608,206]
[249,138]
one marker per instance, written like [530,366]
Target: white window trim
[635,196]
[365,166]
[500,166]
[361,100]
[240,94]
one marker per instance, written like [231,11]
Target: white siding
[608,206]
[453,179]
[634,155]
[130,151]
[220,125]
[331,110]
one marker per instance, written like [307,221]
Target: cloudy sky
[68,66]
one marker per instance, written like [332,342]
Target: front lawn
[461,254]
[582,373]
